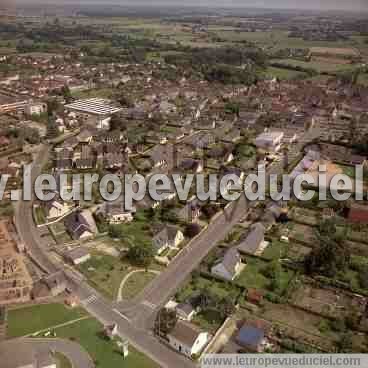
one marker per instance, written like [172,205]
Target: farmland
[317,66]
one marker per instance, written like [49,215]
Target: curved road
[73,351]
[23,219]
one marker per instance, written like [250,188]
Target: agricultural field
[334,51]
[282,74]
[317,66]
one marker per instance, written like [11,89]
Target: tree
[232,108]
[117,122]
[141,255]
[330,257]
[165,322]
[363,278]
[345,344]
[225,307]
[52,129]
[327,227]
[209,210]
[272,270]
[52,106]
[67,95]
[124,100]
[192,230]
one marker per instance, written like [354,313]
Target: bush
[192,230]
[273,298]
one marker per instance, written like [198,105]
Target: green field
[319,67]
[252,276]
[105,273]
[136,283]
[28,320]
[220,289]
[282,74]
[105,354]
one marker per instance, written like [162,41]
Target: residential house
[187,339]
[163,156]
[56,283]
[251,338]
[253,240]
[202,140]
[232,136]
[168,237]
[56,208]
[191,166]
[358,213]
[270,141]
[81,225]
[185,311]
[191,211]
[77,255]
[114,212]
[84,159]
[36,108]
[229,266]
[85,136]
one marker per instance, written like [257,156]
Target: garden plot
[358,249]
[329,303]
[305,216]
[298,252]
[299,325]
[303,233]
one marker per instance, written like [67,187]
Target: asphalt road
[135,319]
[166,284]
[95,304]
[23,219]
[73,351]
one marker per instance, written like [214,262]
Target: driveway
[73,351]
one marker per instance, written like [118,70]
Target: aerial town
[95,90]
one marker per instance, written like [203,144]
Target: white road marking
[149,305]
[121,315]
[89,300]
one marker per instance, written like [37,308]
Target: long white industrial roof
[95,106]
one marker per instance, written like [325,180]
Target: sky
[353,5]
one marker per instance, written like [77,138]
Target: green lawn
[348,170]
[318,66]
[283,74]
[101,93]
[88,333]
[105,273]
[40,216]
[220,289]
[209,320]
[275,250]
[137,231]
[252,276]
[25,321]
[136,283]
